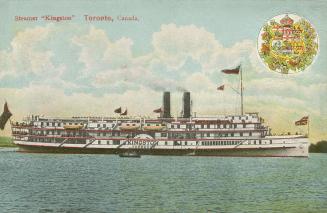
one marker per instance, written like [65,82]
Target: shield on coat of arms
[288,44]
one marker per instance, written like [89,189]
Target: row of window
[55,124]
[105,125]
[127,124]
[118,134]
[217,143]
[208,126]
[178,126]
[58,132]
[239,117]
[205,135]
[133,124]
[114,142]
[226,134]
[204,143]
[109,134]
[58,140]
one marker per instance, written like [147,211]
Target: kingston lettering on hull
[141,142]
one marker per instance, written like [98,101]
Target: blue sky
[231,20]
[78,67]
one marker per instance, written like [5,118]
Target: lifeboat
[129,126]
[154,127]
[73,127]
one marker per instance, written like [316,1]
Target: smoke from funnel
[181,89]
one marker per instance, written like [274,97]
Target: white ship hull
[281,147]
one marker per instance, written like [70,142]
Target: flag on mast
[237,71]
[303,121]
[4,116]
[234,71]
[222,87]
[159,110]
[124,113]
[118,110]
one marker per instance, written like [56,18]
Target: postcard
[163,106]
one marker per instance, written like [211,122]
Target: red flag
[124,113]
[222,87]
[118,110]
[4,116]
[157,110]
[302,121]
[235,71]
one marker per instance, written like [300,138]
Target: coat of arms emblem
[288,44]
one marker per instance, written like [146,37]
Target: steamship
[229,135]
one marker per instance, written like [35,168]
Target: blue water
[108,183]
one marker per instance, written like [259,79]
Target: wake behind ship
[230,135]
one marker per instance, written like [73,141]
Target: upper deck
[249,125]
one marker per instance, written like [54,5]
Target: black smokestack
[186,105]
[166,105]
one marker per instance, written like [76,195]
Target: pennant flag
[124,113]
[302,121]
[235,71]
[118,110]
[4,116]
[157,110]
[222,87]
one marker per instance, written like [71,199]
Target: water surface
[108,183]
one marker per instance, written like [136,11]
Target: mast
[242,112]
[236,71]
[308,126]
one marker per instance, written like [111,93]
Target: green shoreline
[6,142]
[319,147]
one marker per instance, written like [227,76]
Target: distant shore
[6,142]
[320,147]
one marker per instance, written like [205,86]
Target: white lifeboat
[129,126]
[154,127]
[73,126]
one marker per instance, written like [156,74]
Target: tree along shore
[320,147]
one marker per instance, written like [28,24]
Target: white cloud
[172,47]
[98,52]
[198,82]
[28,53]
[173,44]
[111,64]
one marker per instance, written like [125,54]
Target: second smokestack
[186,105]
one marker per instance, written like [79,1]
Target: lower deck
[281,150]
